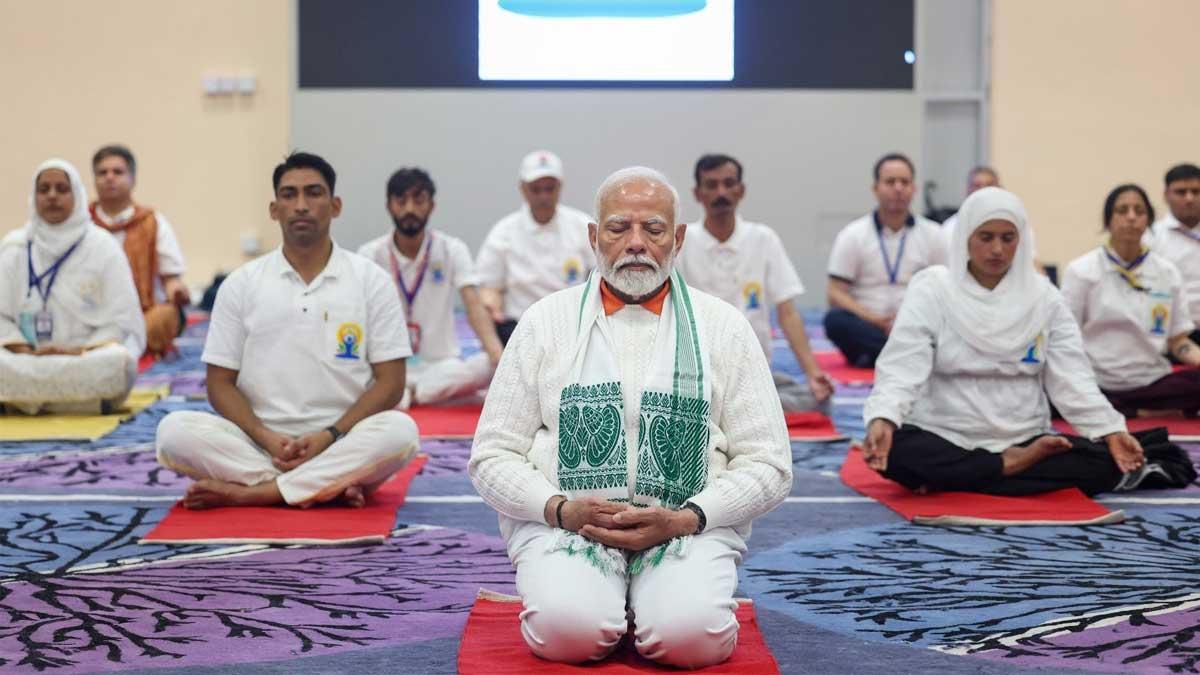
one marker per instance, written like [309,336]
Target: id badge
[414,337]
[43,325]
[25,323]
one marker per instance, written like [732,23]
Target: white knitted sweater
[514,461]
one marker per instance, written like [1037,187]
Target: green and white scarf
[673,434]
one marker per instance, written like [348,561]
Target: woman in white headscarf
[960,400]
[70,323]
[1132,308]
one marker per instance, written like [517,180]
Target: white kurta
[528,260]
[930,377]
[750,270]
[1181,246]
[856,257]
[1125,331]
[514,461]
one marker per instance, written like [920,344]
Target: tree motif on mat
[1121,594]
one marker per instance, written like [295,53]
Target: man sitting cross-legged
[305,357]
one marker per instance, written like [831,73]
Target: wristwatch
[701,519]
[333,431]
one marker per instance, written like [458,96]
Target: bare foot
[1018,459]
[353,497]
[210,493]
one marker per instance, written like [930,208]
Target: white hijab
[51,241]
[1003,321]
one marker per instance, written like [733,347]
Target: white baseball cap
[540,164]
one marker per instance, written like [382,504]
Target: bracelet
[701,519]
[558,513]
[333,431]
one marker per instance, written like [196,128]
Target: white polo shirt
[750,271]
[528,260]
[166,245]
[858,259]
[1181,246]
[1125,331]
[304,352]
[431,314]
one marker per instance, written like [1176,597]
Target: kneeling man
[305,357]
[631,435]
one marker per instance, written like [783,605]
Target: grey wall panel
[808,154]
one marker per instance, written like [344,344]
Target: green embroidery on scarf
[673,442]
[609,561]
[591,442]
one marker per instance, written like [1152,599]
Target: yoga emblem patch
[572,270]
[752,295]
[349,339]
[1034,353]
[1158,319]
[439,274]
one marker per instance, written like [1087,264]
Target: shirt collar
[909,221]
[333,268]
[613,304]
[710,242]
[121,217]
[533,224]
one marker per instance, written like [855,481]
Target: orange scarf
[141,248]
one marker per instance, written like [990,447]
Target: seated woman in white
[960,400]
[1132,308]
[70,321]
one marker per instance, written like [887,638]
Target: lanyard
[1126,270]
[1187,233]
[49,275]
[410,296]
[893,271]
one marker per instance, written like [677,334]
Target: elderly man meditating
[305,358]
[631,435]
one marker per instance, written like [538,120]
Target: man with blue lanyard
[430,268]
[873,259]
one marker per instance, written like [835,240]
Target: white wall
[808,154]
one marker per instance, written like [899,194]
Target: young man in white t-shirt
[305,357]
[1177,235]
[429,267]
[745,264]
[873,259]
[535,251]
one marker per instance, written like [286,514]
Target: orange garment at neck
[612,303]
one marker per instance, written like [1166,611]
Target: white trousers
[683,608]
[203,445]
[441,380]
[67,384]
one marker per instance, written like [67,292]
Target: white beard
[635,284]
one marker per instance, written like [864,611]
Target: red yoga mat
[492,645]
[835,365]
[446,421]
[1179,429]
[811,426]
[1061,507]
[321,524]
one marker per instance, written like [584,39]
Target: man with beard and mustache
[428,266]
[305,355]
[873,259]
[631,435]
[1177,234]
[535,251]
[745,264]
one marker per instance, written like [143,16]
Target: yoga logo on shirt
[752,295]
[439,273]
[349,339]
[1034,353]
[1158,319]
[572,270]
